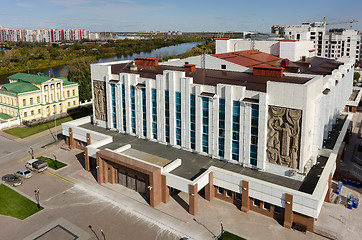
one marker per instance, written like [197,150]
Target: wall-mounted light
[149,187]
[287,202]
[244,188]
[97,167]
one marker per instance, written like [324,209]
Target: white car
[24,173]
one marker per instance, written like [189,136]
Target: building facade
[256,135]
[32,97]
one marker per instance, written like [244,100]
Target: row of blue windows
[114,115]
[124,107]
[154,113]
[192,121]
[133,110]
[254,134]
[221,127]
[143,90]
[178,118]
[167,116]
[205,124]
[236,131]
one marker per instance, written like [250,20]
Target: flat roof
[193,164]
[146,157]
[211,77]
[249,58]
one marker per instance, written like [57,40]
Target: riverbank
[27,57]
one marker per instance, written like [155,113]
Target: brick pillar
[105,172]
[100,176]
[89,140]
[165,190]
[209,188]
[71,139]
[193,199]
[245,204]
[288,211]
[328,194]
[86,160]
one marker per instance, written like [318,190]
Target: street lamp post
[55,161]
[104,236]
[36,192]
[31,152]
[90,227]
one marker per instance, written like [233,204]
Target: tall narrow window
[133,110]
[254,134]
[178,118]
[205,124]
[236,131]
[114,114]
[192,121]
[143,90]
[167,116]
[154,113]
[124,108]
[221,127]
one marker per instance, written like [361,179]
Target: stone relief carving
[283,136]
[100,101]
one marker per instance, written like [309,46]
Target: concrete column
[61,91]
[49,95]
[113,174]
[43,94]
[288,211]
[100,177]
[245,204]
[71,139]
[193,199]
[209,188]
[55,92]
[328,194]
[165,190]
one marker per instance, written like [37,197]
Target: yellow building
[32,97]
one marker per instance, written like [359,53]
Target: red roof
[249,58]
[222,38]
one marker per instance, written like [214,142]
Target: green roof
[66,82]
[5,116]
[19,87]
[31,78]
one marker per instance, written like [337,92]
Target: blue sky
[185,15]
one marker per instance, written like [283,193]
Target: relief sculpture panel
[100,101]
[283,142]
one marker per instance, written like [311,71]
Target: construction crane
[341,22]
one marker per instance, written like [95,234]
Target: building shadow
[80,158]
[179,200]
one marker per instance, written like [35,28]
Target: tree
[79,71]
[356,76]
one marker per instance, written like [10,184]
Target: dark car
[12,180]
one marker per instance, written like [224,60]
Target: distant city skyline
[187,16]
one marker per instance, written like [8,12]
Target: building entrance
[134,181]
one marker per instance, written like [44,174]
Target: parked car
[36,165]
[23,173]
[12,180]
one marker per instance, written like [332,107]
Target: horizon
[186,16]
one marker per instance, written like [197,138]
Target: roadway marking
[47,150]
[59,176]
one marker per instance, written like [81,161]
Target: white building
[291,49]
[340,44]
[256,135]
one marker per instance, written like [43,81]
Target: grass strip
[54,164]
[16,205]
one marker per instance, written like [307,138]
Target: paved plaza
[77,207]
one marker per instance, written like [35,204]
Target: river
[159,53]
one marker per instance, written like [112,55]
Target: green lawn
[16,205]
[51,163]
[23,132]
[229,236]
